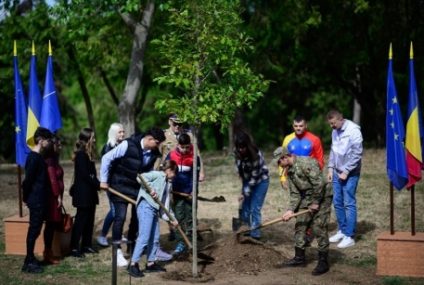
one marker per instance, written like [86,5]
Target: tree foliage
[202,61]
[204,56]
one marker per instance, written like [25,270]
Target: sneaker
[77,253]
[337,237]
[89,250]
[134,271]
[32,267]
[121,261]
[162,255]
[124,239]
[181,248]
[155,268]
[346,242]
[101,240]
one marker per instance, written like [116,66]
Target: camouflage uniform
[306,186]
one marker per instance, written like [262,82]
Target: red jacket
[55,172]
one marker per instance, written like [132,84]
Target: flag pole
[392,227]
[20,190]
[413,210]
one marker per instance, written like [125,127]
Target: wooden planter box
[16,228]
[400,254]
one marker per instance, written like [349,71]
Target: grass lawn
[355,265]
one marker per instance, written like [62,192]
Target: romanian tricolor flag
[34,101]
[413,141]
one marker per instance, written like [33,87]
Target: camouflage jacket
[306,183]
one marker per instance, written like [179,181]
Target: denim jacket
[158,182]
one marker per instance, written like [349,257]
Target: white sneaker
[337,237]
[124,239]
[162,255]
[346,242]
[121,261]
[101,240]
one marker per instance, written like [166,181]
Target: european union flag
[50,114]
[21,147]
[395,135]
[34,101]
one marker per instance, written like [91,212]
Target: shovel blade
[236,224]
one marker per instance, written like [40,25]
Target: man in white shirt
[344,168]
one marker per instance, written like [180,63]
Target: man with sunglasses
[119,170]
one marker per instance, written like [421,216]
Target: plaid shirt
[252,172]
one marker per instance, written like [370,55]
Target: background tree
[202,64]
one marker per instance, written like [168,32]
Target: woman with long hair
[255,181]
[55,196]
[84,193]
[116,135]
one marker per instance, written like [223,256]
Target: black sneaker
[134,271]
[155,268]
[76,253]
[32,267]
[89,250]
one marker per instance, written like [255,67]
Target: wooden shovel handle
[271,222]
[120,195]
[149,190]
[185,195]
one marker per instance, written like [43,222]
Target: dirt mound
[231,256]
[249,257]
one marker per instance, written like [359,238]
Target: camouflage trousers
[318,222]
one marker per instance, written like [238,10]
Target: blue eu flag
[395,135]
[50,113]
[21,147]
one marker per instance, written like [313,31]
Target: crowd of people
[165,160]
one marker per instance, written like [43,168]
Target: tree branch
[129,21]
[109,86]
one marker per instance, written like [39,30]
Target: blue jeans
[148,235]
[344,201]
[252,206]
[110,216]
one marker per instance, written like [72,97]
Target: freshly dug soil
[231,256]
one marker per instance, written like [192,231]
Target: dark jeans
[83,227]
[133,227]
[36,219]
[183,213]
[109,218]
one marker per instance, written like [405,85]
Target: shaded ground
[234,263]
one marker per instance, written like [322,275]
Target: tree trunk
[141,29]
[194,203]
[356,112]
[237,124]
[356,106]
[83,86]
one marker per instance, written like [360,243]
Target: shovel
[237,222]
[246,229]
[215,199]
[149,190]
